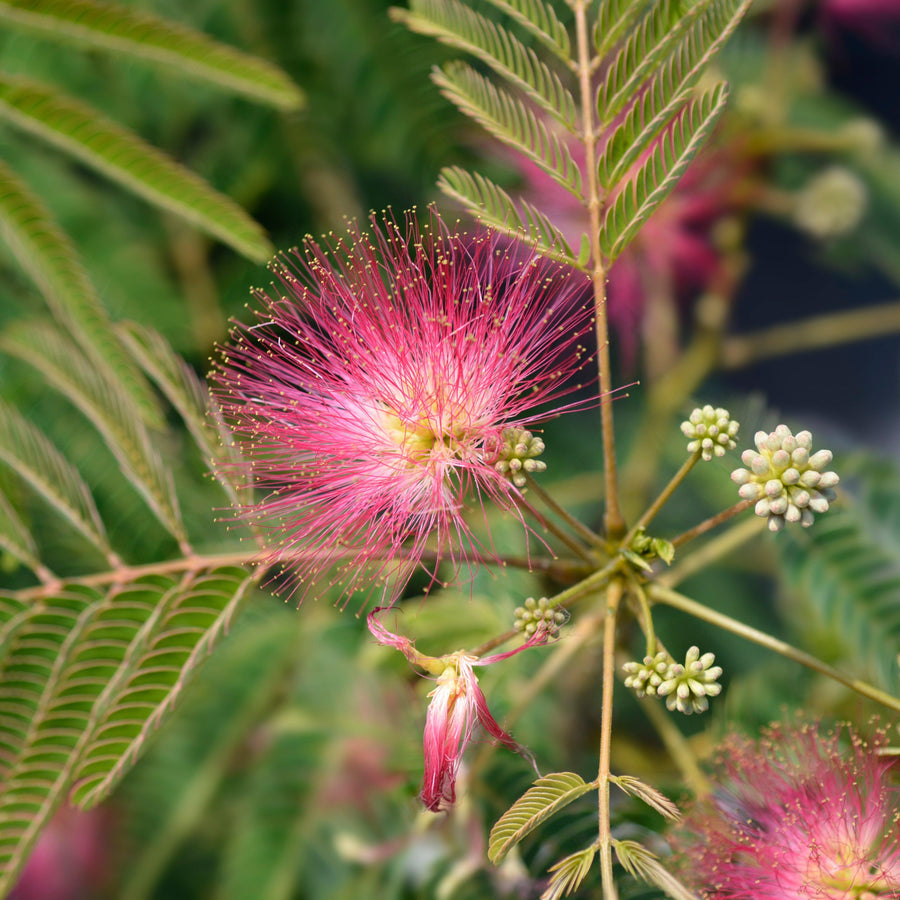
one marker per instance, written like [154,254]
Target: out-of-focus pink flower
[800,816]
[70,861]
[374,392]
[457,704]
[866,17]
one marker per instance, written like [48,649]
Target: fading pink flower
[374,391]
[801,816]
[457,705]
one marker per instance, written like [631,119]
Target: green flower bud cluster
[831,203]
[539,613]
[644,678]
[686,687]
[517,455]
[712,431]
[787,481]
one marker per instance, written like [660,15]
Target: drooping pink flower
[457,705]
[804,815]
[373,394]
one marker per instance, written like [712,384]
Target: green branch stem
[552,528]
[663,498]
[614,523]
[711,522]
[679,601]
[604,849]
[591,537]
[720,546]
[827,330]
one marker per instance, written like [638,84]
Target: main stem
[615,524]
[613,596]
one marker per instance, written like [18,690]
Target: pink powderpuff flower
[804,815]
[457,704]
[875,20]
[374,392]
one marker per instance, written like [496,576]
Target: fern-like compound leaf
[490,204]
[122,156]
[511,121]
[614,20]
[645,50]
[185,391]
[668,91]
[540,19]
[34,458]
[139,35]
[107,407]
[455,24]
[644,865]
[85,675]
[566,875]
[17,540]
[846,567]
[49,258]
[659,174]
[545,797]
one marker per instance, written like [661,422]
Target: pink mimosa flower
[800,817]
[374,393]
[457,705]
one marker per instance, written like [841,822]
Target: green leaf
[180,775]
[644,51]
[509,120]
[547,796]
[122,156]
[641,863]
[139,35]
[670,88]
[184,390]
[659,174]
[490,204]
[453,23]
[569,872]
[107,407]
[49,258]
[84,677]
[847,566]
[16,539]
[540,19]
[614,19]
[32,456]
[650,795]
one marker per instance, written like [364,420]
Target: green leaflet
[659,174]
[511,121]
[669,88]
[85,675]
[644,50]
[107,407]
[644,865]
[453,23]
[540,19]
[139,35]
[489,203]
[49,258]
[614,18]
[184,390]
[123,157]
[846,565]
[32,456]
[16,539]
[566,875]
[547,796]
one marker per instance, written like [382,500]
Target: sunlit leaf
[547,796]
[540,19]
[122,156]
[137,34]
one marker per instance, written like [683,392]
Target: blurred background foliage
[290,770]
